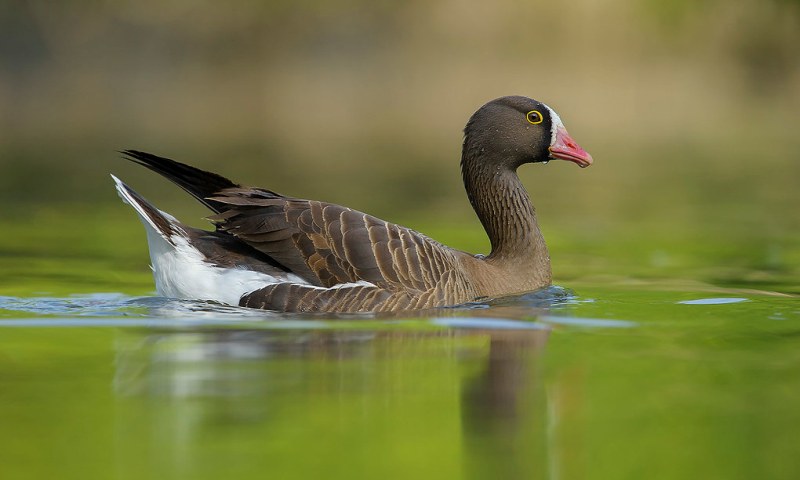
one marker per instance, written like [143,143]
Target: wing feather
[329,245]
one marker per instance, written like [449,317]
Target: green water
[664,358]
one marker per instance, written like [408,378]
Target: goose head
[511,131]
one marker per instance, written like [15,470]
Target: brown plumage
[329,258]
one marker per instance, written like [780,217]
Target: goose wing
[329,245]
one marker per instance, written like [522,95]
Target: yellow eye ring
[534,117]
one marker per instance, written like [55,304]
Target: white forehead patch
[555,122]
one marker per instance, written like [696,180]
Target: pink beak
[565,148]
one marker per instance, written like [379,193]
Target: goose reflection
[474,392]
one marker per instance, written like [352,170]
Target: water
[654,360]
[608,382]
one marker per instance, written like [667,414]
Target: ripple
[158,323]
[714,301]
[587,322]
[487,323]
[518,312]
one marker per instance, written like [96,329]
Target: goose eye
[534,117]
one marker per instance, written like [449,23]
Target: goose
[280,253]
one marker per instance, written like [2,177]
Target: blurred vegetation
[690,109]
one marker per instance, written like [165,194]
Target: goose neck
[506,213]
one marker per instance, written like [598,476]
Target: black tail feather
[198,183]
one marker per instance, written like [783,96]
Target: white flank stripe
[181,272]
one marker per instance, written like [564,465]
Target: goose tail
[157,222]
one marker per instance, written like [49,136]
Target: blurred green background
[690,109]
